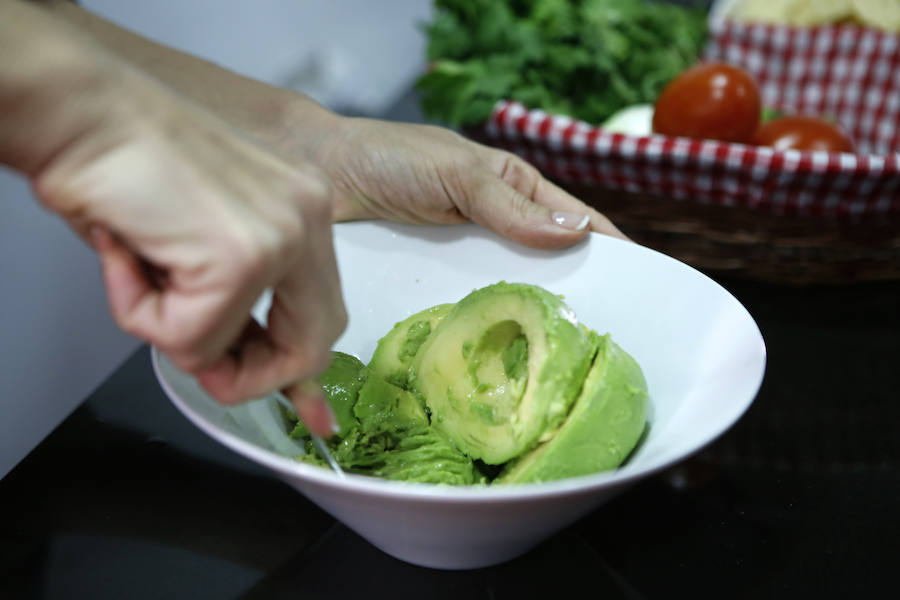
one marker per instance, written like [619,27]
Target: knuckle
[127,322]
[313,188]
[516,172]
[225,395]
[57,192]
[317,198]
[284,232]
[185,347]
[313,211]
[187,360]
[254,251]
[291,233]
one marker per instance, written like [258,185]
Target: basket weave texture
[786,216]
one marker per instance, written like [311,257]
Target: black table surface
[126,499]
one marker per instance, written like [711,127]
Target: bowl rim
[441,493]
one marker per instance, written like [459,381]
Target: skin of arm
[401,172]
[191,221]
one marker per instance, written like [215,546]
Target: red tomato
[710,101]
[802,133]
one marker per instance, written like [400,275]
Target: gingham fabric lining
[848,73]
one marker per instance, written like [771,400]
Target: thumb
[502,209]
[126,282]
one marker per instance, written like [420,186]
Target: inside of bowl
[700,350]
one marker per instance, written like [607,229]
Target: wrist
[314,134]
[307,130]
[331,146]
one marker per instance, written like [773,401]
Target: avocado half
[396,349]
[506,386]
[603,427]
[501,369]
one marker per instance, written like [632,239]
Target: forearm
[265,112]
[53,87]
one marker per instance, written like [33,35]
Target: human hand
[425,174]
[402,172]
[192,223]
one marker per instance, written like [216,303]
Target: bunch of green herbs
[582,58]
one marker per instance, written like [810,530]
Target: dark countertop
[127,499]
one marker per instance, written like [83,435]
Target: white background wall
[57,341]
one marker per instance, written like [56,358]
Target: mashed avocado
[505,381]
[389,434]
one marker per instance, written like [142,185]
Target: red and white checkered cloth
[845,72]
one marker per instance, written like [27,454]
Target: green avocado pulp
[461,371]
[601,430]
[503,387]
[415,337]
[498,370]
[390,436]
[397,348]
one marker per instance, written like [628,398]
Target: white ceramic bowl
[701,352]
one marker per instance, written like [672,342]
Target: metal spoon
[318,442]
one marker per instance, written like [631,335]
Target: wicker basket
[780,216]
[741,242]
[744,242]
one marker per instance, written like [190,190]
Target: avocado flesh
[412,453]
[602,429]
[502,343]
[397,348]
[384,430]
[381,404]
[502,369]
[341,381]
[395,441]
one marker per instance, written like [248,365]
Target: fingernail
[327,417]
[332,420]
[313,408]
[318,417]
[573,221]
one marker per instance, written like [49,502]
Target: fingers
[194,330]
[564,208]
[195,325]
[305,318]
[142,306]
[256,368]
[500,208]
[128,289]
[555,198]
[257,364]
[221,220]
[308,399]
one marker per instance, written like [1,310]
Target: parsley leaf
[584,58]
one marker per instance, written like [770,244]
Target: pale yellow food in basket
[881,14]
[878,13]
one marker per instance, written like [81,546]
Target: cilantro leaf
[584,58]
